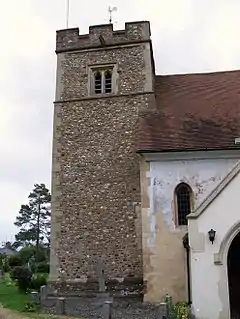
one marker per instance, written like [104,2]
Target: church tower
[104,79]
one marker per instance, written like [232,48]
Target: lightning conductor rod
[111,10]
[67,14]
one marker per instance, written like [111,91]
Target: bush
[43,267]
[23,276]
[32,306]
[6,267]
[4,263]
[14,261]
[33,267]
[180,310]
[38,281]
[7,280]
[26,253]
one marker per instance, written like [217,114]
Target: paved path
[7,314]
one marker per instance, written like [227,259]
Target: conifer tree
[34,219]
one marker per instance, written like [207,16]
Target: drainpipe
[187,248]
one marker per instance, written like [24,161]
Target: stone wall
[132,75]
[103,307]
[93,305]
[70,39]
[95,171]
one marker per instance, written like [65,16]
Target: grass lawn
[12,304]
[11,298]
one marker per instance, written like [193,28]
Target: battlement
[102,35]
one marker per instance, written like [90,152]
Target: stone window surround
[102,67]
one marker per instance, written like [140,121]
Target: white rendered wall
[209,280]
[201,175]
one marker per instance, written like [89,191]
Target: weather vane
[111,10]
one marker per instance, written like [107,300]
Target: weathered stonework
[95,174]
[115,208]
[134,32]
[164,257]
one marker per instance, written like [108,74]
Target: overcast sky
[188,36]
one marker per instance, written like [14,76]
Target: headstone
[60,307]
[101,277]
[162,311]
[43,292]
[34,296]
[107,309]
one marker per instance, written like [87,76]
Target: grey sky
[188,36]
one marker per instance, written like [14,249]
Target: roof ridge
[216,191]
[198,73]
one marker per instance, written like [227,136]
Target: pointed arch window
[184,202]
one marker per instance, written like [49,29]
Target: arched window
[183,193]
[98,82]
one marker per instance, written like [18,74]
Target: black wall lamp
[211,235]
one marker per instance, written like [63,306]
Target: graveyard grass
[12,304]
[11,298]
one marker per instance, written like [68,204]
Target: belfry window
[103,81]
[183,193]
[108,81]
[98,82]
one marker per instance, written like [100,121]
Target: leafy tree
[14,261]
[34,219]
[27,253]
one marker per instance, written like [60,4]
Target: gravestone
[162,312]
[107,301]
[107,309]
[35,296]
[60,307]
[101,277]
[43,293]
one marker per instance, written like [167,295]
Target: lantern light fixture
[212,235]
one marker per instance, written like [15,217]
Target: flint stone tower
[103,80]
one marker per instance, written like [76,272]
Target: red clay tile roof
[194,112]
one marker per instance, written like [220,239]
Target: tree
[34,219]
[27,253]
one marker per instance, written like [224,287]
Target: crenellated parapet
[101,36]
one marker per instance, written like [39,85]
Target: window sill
[102,95]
